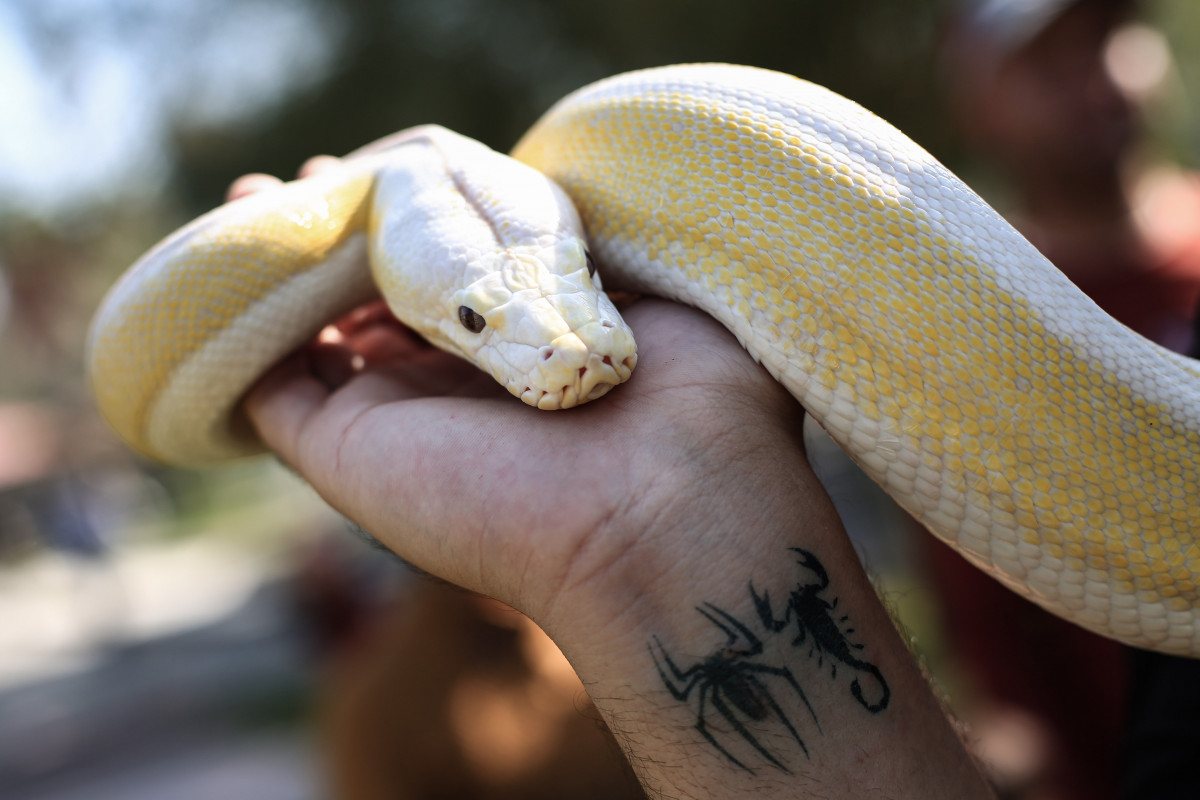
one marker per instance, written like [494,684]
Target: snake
[1050,445]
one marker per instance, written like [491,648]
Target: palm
[436,460]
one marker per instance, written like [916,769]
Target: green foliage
[488,68]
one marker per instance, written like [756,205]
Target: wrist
[741,646]
[711,499]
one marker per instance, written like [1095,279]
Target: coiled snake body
[1050,445]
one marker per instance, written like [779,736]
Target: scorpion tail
[885,694]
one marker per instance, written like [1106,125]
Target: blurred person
[444,693]
[1043,90]
[426,691]
[5,299]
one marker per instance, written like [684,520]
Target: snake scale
[1047,443]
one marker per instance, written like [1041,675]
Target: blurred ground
[165,668]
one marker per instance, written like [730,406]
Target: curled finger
[250,184]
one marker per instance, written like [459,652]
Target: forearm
[760,657]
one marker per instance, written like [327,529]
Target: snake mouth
[594,380]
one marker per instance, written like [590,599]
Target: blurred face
[1052,105]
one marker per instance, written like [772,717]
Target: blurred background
[171,634]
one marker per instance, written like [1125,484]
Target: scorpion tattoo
[815,624]
[730,684]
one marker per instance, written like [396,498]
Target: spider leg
[689,677]
[702,726]
[778,711]
[787,675]
[732,627]
[762,604]
[745,733]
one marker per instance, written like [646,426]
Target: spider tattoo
[729,684]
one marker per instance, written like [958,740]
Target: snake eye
[591,263]
[471,320]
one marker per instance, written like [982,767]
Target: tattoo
[816,625]
[732,687]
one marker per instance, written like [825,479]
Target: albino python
[1053,447]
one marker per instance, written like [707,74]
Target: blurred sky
[92,91]
[90,88]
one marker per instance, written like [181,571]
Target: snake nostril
[546,353]
[607,360]
[607,323]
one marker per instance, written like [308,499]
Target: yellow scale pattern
[959,383]
[185,302]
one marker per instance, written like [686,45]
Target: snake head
[486,257]
[539,322]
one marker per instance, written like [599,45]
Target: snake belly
[1047,443]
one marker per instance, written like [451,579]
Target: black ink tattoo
[730,684]
[815,624]
[734,689]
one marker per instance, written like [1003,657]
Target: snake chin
[564,398]
[593,381]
